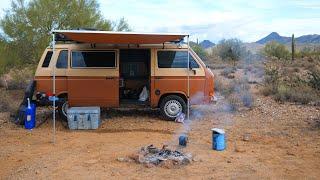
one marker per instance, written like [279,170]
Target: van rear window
[47,59]
[93,59]
[175,59]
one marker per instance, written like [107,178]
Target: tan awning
[110,37]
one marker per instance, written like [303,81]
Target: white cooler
[84,117]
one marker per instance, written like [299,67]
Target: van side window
[175,59]
[62,61]
[98,59]
[47,59]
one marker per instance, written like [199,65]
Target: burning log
[151,155]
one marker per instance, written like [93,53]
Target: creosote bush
[231,51]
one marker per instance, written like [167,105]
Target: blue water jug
[30,116]
[218,139]
[183,140]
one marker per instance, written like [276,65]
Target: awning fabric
[110,37]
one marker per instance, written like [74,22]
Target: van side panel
[44,84]
[93,91]
[94,86]
[178,85]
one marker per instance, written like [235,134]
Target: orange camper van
[122,69]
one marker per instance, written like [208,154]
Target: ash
[151,155]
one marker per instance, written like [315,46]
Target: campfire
[153,156]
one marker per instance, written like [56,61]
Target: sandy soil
[268,141]
[283,142]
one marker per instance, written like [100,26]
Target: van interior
[134,76]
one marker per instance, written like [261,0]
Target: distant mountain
[315,38]
[206,44]
[274,36]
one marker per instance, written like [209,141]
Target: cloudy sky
[216,19]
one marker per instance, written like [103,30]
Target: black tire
[62,109]
[169,105]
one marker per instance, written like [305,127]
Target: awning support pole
[188,103]
[54,89]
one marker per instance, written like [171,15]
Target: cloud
[214,20]
[310,4]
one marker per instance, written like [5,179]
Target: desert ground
[268,141]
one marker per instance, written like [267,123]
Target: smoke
[234,94]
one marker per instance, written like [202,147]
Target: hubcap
[172,108]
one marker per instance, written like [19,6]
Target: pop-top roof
[111,37]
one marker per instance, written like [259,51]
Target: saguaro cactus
[292,47]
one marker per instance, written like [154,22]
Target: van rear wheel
[172,106]
[63,108]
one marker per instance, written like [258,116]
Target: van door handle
[109,77]
[158,77]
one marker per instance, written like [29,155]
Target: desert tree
[230,50]
[26,25]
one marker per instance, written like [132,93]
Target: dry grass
[6,103]
[16,78]
[228,72]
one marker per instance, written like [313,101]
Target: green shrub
[274,49]
[231,50]
[19,78]
[282,93]
[199,51]
[314,80]
[301,94]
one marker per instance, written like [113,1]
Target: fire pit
[153,156]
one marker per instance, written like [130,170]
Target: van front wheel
[172,106]
[62,109]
